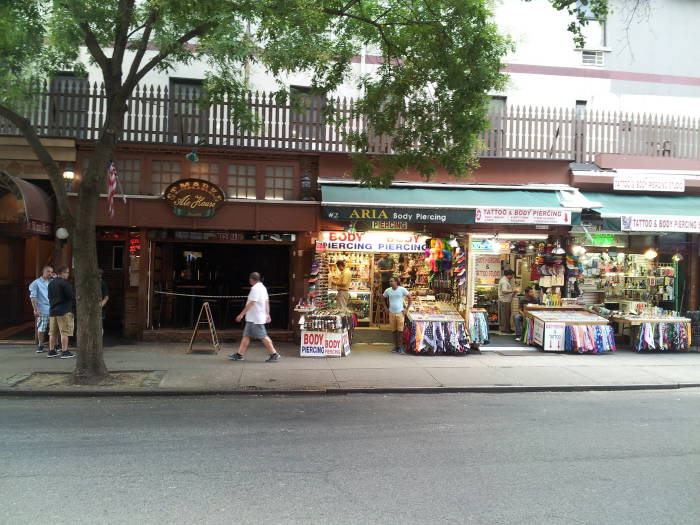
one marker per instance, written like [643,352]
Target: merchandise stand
[326,333]
[441,331]
[672,334]
[567,329]
[478,327]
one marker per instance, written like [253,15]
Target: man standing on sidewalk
[394,296]
[257,314]
[341,280]
[39,296]
[505,298]
[61,322]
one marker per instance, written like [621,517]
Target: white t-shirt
[504,285]
[258,313]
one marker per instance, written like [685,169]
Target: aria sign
[194,198]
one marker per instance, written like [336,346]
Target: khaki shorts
[396,322]
[62,325]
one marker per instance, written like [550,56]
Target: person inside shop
[394,295]
[505,297]
[530,297]
[386,266]
[341,279]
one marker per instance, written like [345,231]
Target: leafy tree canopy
[439,59]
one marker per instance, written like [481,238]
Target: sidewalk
[370,368]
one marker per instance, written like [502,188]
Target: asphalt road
[603,457]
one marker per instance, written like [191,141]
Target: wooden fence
[159,115]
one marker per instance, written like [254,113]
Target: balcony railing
[157,115]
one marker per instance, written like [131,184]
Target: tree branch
[141,48]
[121,33]
[380,27]
[197,31]
[49,164]
[95,50]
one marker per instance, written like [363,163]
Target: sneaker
[236,357]
[401,351]
[53,353]
[272,358]
[40,349]
[395,350]
[67,354]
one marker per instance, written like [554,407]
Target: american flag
[111,187]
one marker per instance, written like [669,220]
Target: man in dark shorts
[257,314]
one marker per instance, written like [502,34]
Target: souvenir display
[665,336]
[567,329]
[478,327]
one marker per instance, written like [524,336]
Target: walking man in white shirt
[257,314]
[39,296]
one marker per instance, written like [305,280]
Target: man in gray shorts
[257,314]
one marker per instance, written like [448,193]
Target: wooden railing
[158,115]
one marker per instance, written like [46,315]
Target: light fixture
[650,254]
[677,257]
[68,172]
[511,236]
[577,249]
[61,234]
[192,155]
[558,250]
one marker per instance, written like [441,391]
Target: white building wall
[660,40]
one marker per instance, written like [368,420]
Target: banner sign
[324,344]
[487,266]
[648,183]
[375,241]
[523,215]
[660,223]
[427,216]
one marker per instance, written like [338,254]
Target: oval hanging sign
[194,197]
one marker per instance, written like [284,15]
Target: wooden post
[692,275]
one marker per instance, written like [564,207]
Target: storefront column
[693,268]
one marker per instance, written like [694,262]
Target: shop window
[279,183]
[68,111]
[163,173]
[208,171]
[129,173]
[242,182]
[306,114]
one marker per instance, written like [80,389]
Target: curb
[5,392]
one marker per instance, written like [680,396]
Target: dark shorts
[254,331]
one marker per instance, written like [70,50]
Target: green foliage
[439,59]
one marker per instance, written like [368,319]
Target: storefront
[634,265]
[26,245]
[443,241]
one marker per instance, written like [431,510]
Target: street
[597,457]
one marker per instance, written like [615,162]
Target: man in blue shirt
[39,296]
[394,297]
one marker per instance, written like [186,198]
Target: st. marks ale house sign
[194,198]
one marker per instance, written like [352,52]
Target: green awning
[449,205]
[647,213]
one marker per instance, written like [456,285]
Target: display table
[671,334]
[435,328]
[326,333]
[567,329]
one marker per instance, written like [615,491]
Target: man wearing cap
[341,279]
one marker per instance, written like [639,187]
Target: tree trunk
[90,367]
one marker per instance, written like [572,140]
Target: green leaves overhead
[426,97]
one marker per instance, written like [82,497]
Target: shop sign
[324,344]
[523,215]
[38,227]
[603,239]
[660,223]
[372,241]
[554,337]
[388,225]
[487,266]
[194,198]
[648,183]
[488,245]
[428,216]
